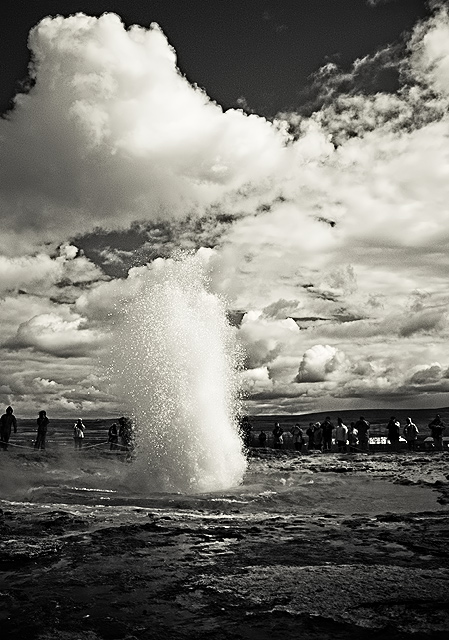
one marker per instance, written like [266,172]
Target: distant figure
[310,434]
[327,428]
[394,427]
[262,438]
[411,434]
[78,433]
[125,432]
[341,436]
[246,430]
[362,427]
[353,438]
[113,436]
[298,437]
[42,424]
[7,423]
[318,437]
[278,439]
[437,427]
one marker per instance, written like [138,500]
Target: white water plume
[175,361]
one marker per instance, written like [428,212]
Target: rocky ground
[310,547]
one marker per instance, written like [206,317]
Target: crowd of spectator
[326,436]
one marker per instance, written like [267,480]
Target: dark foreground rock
[263,570]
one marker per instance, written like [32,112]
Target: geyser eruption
[175,361]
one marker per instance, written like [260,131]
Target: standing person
[362,427]
[310,433]
[411,434]
[125,432]
[262,438]
[327,428]
[278,440]
[341,436]
[7,423]
[113,436]
[318,437]
[394,427]
[78,433]
[246,430]
[353,438]
[42,424]
[437,427]
[298,437]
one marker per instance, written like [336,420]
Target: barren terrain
[314,546]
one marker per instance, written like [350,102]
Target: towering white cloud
[112,132]
[337,256]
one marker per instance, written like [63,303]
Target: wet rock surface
[311,548]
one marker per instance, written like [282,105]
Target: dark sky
[263,50]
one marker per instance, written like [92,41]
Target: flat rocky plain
[309,546]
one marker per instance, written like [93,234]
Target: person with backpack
[78,433]
[298,437]
[278,439]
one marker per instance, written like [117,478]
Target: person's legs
[4,437]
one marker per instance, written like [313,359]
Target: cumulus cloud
[54,335]
[40,273]
[111,132]
[318,363]
[429,49]
[330,230]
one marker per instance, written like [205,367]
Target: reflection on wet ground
[312,547]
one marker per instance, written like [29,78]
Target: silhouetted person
[278,440]
[318,437]
[327,428]
[125,432]
[411,434]
[246,430]
[310,434]
[42,423]
[362,427]
[78,433]
[353,438]
[437,427]
[8,422]
[262,438]
[113,436]
[298,437]
[393,427]
[341,436]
